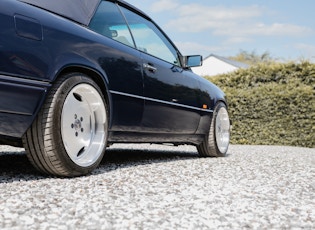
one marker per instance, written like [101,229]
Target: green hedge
[271,104]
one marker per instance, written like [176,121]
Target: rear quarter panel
[36,46]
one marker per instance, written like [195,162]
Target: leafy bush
[271,104]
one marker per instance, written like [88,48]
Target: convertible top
[78,10]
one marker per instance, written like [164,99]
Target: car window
[149,38]
[108,21]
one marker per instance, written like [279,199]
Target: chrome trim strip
[15,79]
[160,101]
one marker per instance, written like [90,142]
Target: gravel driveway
[161,187]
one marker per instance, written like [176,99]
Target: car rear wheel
[217,142]
[68,137]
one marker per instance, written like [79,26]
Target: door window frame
[121,7]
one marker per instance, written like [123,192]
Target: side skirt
[135,137]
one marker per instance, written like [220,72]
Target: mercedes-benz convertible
[79,75]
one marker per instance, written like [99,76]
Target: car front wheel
[218,139]
[68,137]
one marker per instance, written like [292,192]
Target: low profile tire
[68,137]
[217,142]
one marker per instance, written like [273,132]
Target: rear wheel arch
[97,77]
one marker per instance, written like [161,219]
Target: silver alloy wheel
[222,130]
[83,125]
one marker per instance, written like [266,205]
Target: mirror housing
[192,61]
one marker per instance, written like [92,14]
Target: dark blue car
[79,75]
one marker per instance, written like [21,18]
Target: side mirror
[192,61]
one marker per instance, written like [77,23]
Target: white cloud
[197,18]
[192,48]
[275,29]
[236,23]
[164,5]
[306,49]
[236,40]
[219,12]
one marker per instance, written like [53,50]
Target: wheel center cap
[77,125]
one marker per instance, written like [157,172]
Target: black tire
[53,140]
[217,141]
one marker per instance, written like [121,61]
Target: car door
[122,64]
[171,96]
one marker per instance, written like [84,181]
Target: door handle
[149,67]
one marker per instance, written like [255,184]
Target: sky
[283,28]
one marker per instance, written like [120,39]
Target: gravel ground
[162,187]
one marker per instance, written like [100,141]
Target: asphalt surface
[161,187]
